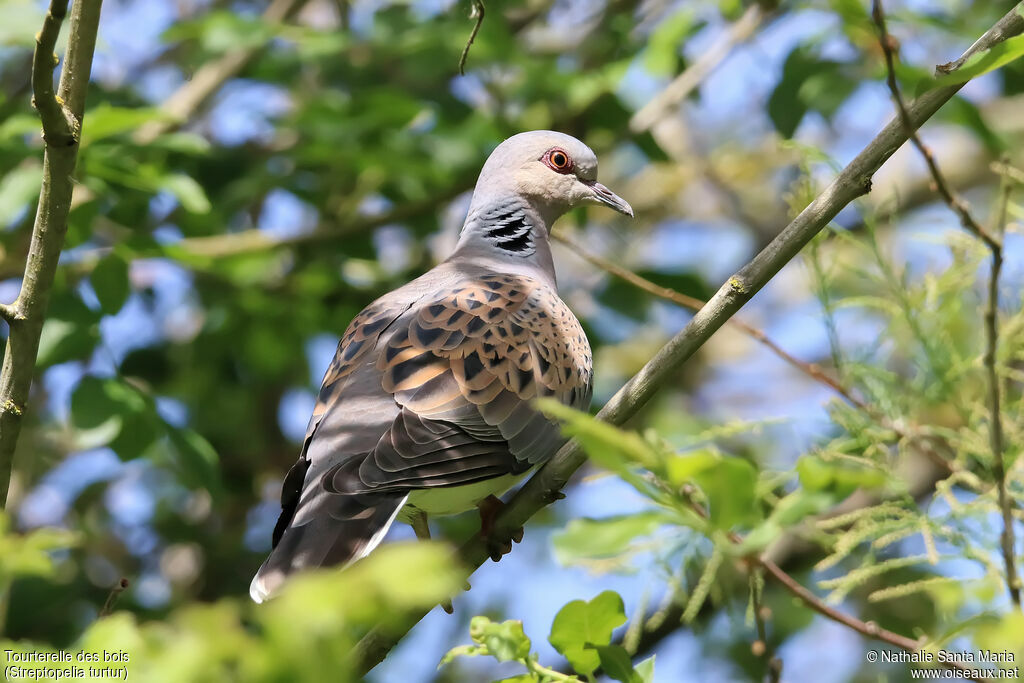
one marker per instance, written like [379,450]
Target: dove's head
[553,172]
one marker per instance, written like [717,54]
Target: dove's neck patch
[507,226]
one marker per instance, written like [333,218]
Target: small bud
[758,648]
[56,59]
[765,612]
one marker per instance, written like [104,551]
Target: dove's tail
[330,529]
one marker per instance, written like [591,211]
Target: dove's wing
[428,394]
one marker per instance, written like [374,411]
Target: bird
[427,407]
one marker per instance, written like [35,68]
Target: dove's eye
[558,160]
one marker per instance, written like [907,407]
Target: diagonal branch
[184,102]
[695,304]
[852,182]
[692,76]
[995,245]
[61,115]
[802,593]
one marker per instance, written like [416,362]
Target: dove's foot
[496,547]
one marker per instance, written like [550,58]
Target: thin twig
[543,487]
[761,648]
[9,312]
[478,13]
[115,593]
[865,628]
[954,201]
[1006,538]
[995,245]
[694,304]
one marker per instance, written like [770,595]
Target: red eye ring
[558,160]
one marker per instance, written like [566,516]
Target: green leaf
[504,641]
[589,538]
[18,188]
[221,31]
[646,670]
[729,483]
[30,554]
[461,651]
[661,56]
[188,191]
[108,411]
[611,447]
[199,464]
[395,577]
[18,125]
[791,510]
[579,624]
[808,83]
[104,121]
[616,664]
[110,282]
[19,22]
[978,64]
[64,340]
[839,478]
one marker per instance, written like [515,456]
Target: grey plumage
[427,404]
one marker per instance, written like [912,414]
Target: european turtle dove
[427,406]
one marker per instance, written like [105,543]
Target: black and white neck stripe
[508,227]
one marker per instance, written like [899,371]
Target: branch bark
[852,182]
[61,115]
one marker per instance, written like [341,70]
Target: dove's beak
[602,195]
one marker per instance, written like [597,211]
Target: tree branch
[184,102]
[852,182]
[26,314]
[692,76]
[798,590]
[955,202]
[921,472]
[476,13]
[57,128]
[695,304]
[865,628]
[995,245]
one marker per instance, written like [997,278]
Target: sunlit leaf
[109,279]
[586,538]
[580,624]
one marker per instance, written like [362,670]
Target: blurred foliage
[582,632]
[306,634]
[210,268]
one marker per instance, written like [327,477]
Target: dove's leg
[489,508]
[422,530]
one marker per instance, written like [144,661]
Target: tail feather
[328,539]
